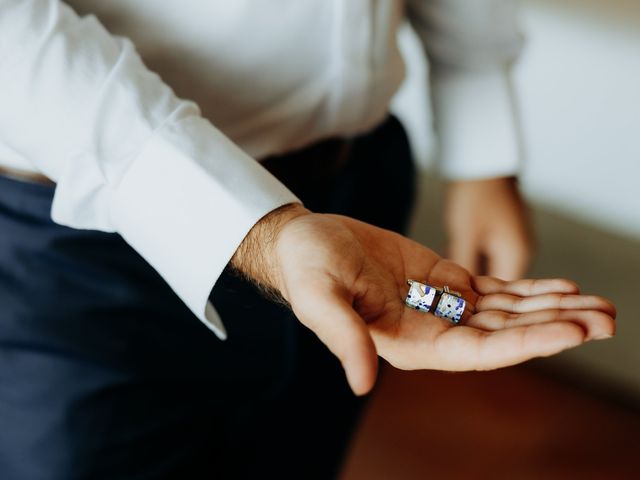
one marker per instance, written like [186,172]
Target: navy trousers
[105,374]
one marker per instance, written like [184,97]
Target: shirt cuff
[476,123]
[185,206]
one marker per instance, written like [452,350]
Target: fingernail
[602,336]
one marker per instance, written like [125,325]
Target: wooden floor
[515,423]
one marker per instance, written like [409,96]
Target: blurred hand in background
[488,227]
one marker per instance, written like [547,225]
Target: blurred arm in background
[471,45]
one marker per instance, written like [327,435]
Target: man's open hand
[346,281]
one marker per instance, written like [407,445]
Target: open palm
[346,280]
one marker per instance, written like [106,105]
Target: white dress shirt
[164,152]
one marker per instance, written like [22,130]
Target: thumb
[331,317]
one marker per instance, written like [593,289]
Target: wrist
[255,258]
[465,195]
[481,183]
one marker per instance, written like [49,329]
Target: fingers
[514,304]
[330,316]
[524,288]
[597,325]
[465,348]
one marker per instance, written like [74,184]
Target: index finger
[524,288]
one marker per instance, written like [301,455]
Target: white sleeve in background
[127,155]
[471,45]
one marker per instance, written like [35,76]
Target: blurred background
[576,415]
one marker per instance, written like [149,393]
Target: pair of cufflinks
[448,304]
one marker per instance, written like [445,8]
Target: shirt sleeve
[471,45]
[127,155]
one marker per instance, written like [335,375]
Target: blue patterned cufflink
[420,296]
[450,307]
